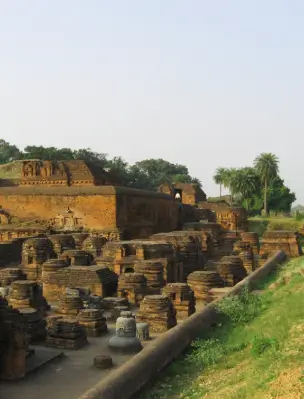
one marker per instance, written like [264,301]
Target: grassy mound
[257,351]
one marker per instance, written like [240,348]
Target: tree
[86,154]
[267,168]
[47,153]
[159,171]
[231,181]
[8,152]
[280,198]
[220,177]
[138,179]
[120,168]
[247,184]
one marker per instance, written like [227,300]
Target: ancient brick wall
[140,213]
[143,215]
[93,211]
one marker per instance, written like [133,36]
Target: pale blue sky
[199,82]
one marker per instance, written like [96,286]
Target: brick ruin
[285,240]
[88,251]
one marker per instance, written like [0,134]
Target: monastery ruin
[82,256]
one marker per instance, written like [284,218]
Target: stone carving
[43,173]
[67,220]
[125,340]
[69,173]
[109,235]
[29,169]
[142,331]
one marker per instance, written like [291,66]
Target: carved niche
[29,169]
[67,220]
[43,172]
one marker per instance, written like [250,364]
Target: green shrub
[299,216]
[260,344]
[258,226]
[241,308]
[206,352]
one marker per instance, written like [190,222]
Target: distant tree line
[259,188]
[147,174]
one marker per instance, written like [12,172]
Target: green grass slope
[260,225]
[257,351]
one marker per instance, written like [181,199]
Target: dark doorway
[178,194]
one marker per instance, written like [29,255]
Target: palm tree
[231,178]
[267,168]
[220,177]
[247,184]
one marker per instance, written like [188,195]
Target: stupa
[158,312]
[125,339]
[201,282]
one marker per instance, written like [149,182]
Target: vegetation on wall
[147,174]
[259,187]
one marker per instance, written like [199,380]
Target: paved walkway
[64,378]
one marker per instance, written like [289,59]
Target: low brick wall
[128,379]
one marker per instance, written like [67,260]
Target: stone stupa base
[125,344]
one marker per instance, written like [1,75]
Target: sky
[203,83]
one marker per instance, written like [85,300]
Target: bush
[260,344]
[208,352]
[241,308]
[258,226]
[299,216]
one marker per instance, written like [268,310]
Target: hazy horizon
[204,84]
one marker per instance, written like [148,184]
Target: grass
[256,350]
[260,224]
